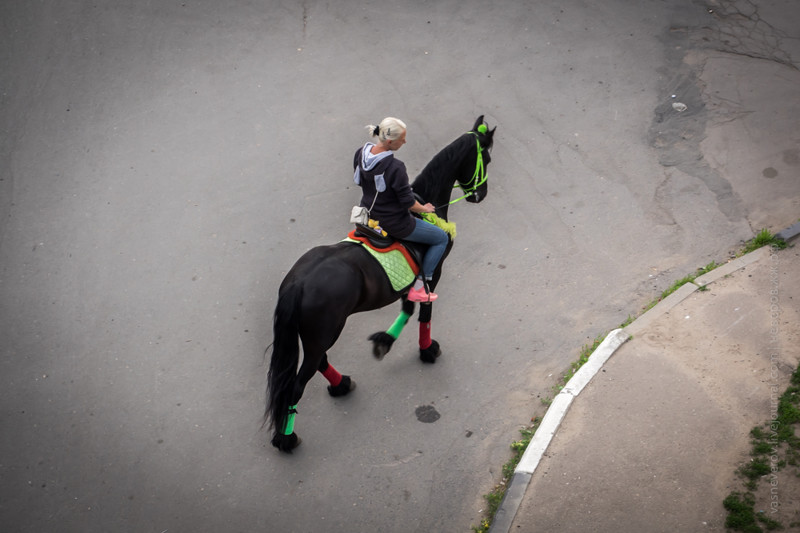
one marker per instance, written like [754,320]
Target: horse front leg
[428,348]
[382,341]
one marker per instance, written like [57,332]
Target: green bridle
[478,177]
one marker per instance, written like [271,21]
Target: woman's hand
[419,208]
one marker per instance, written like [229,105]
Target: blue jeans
[427,233]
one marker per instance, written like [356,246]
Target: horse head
[461,163]
[476,186]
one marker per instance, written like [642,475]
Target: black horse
[329,283]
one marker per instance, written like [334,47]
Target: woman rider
[388,195]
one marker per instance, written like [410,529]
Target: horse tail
[285,357]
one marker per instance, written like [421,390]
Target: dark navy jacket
[395,196]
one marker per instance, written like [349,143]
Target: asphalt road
[163,164]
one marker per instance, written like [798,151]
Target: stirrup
[421,295]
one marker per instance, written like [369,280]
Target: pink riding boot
[421,295]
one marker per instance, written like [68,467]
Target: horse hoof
[429,354]
[381,344]
[343,388]
[286,443]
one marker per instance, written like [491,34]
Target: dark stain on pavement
[769,172]
[427,414]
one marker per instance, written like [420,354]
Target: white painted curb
[561,403]
[547,429]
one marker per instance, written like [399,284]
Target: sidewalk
[648,435]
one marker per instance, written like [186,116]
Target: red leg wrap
[332,375]
[424,335]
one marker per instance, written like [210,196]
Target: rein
[478,177]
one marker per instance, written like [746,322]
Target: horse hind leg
[315,359]
[285,439]
[340,385]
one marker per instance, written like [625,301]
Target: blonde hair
[389,129]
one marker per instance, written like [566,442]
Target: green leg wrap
[399,323]
[289,429]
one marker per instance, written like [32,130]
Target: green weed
[775,446]
[762,238]
[495,497]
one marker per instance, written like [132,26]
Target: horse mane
[435,183]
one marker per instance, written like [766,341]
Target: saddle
[413,251]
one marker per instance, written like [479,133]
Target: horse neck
[435,182]
[436,191]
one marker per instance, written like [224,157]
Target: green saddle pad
[394,264]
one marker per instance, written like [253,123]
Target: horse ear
[488,137]
[478,122]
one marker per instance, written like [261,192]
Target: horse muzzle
[477,196]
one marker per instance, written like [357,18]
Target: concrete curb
[547,429]
[518,485]
[789,233]
[563,400]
